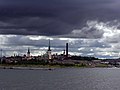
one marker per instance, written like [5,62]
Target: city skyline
[29,51]
[92,28]
[42,47]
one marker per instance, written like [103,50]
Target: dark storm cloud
[53,17]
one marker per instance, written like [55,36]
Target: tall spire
[49,46]
[28,51]
[49,52]
[28,54]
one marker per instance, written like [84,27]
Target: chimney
[66,49]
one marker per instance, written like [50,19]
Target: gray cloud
[94,24]
[56,17]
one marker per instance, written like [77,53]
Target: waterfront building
[64,52]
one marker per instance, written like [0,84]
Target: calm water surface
[61,79]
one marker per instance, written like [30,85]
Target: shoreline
[25,67]
[44,67]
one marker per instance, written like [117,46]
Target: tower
[49,52]
[28,53]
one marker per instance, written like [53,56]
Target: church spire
[28,52]
[49,52]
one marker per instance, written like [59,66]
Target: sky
[91,27]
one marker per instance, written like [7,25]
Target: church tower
[49,52]
[28,53]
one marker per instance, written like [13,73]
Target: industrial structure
[66,50]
